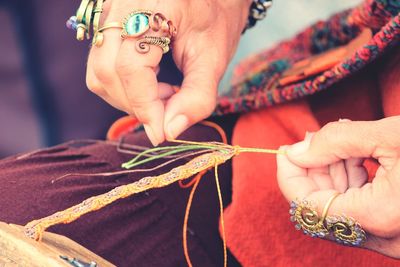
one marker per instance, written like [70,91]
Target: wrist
[258,11]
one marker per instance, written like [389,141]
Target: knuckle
[332,129]
[125,67]
[94,86]
[331,132]
[206,104]
[104,72]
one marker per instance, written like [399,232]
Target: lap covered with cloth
[143,230]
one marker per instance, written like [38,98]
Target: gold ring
[304,214]
[98,37]
[328,205]
[138,22]
[82,10]
[143,44]
[81,14]
[88,17]
[97,14]
[344,230]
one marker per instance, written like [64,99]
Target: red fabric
[121,127]
[258,229]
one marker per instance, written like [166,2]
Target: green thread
[170,150]
[165,151]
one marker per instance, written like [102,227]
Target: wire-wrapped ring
[344,230]
[143,44]
[98,37]
[139,22]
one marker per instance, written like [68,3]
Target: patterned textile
[256,83]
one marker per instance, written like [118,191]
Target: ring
[87,19]
[98,37]
[97,14]
[344,230]
[81,17]
[305,216]
[143,45]
[135,25]
[139,22]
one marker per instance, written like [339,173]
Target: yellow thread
[221,210]
[218,129]
[261,150]
[36,228]
[237,149]
[199,143]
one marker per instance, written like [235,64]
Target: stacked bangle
[258,11]
[87,19]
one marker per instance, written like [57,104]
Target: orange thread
[186,219]
[218,129]
[195,182]
[224,140]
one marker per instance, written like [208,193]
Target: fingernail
[176,126]
[150,134]
[344,120]
[298,148]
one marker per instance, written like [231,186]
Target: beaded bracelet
[258,11]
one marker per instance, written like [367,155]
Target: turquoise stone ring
[150,29]
[136,24]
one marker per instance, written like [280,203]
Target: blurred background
[43,96]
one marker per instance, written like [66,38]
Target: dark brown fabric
[143,230]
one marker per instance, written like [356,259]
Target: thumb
[344,140]
[196,99]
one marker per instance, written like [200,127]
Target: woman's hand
[331,160]
[208,33]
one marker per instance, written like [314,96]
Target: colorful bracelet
[258,11]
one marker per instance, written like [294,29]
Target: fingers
[101,67]
[343,140]
[356,172]
[339,176]
[165,91]
[196,99]
[292,179]
[370,204]
[127,81]
[296,185]
[137,73]
[373,205]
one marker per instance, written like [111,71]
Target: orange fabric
[121,127]
[258,229]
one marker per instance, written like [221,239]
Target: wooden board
[18,250]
